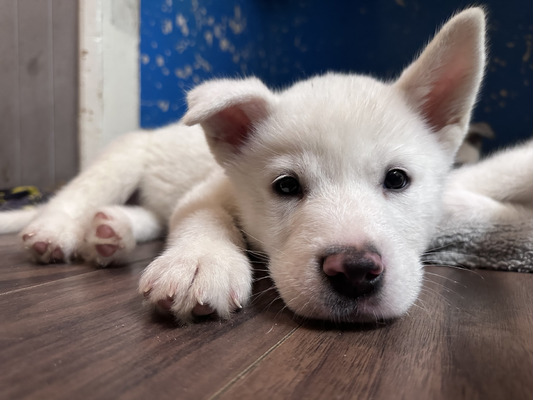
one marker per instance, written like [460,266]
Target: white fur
[496,191]
[339,134]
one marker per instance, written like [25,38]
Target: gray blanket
[499,247]
[487,219]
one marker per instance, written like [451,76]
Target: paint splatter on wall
[184,42]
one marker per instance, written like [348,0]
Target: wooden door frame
[108,73]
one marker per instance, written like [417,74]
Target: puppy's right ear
[228,110]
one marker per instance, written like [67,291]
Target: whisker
[439,248]
[459,267]
[421,306]
[445,278]
[284,307]
[261,253]
[262,292]
[427,259]
[261,278]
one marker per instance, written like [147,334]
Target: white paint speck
[145,59]
[218,31]
[182,45]
[201,63]
[181,22]
[185,72]
[238,23]
[166,26]
[224,44]
[163,105]
[208,37]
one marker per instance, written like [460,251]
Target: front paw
[189,282]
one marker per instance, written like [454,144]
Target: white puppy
[338,180]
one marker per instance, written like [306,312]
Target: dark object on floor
[20,197]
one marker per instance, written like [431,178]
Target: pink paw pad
[105,232]
[166,304]
[202,309]
[106,250]
[57,254]
[40,247]
[101,215]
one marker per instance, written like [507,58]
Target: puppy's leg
[204,268]
[114,231]
[57,233]
[497,190]
[505,176]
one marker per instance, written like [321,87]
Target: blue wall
[184,42]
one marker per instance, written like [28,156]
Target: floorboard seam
[253,365]
[43,284]
[129,264]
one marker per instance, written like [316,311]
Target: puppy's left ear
[442,84]
[228,110]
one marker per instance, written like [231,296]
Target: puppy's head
[338,178]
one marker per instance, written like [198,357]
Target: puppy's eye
[287,186]
[396,179]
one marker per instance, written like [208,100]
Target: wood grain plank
[469,338]
[17,273]
[88,336]
[65,75]
[9,101]
[36,95]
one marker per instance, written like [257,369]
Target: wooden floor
[76,332]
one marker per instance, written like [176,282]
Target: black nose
[353,272]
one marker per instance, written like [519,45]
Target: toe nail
[236,301]
[28,236]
